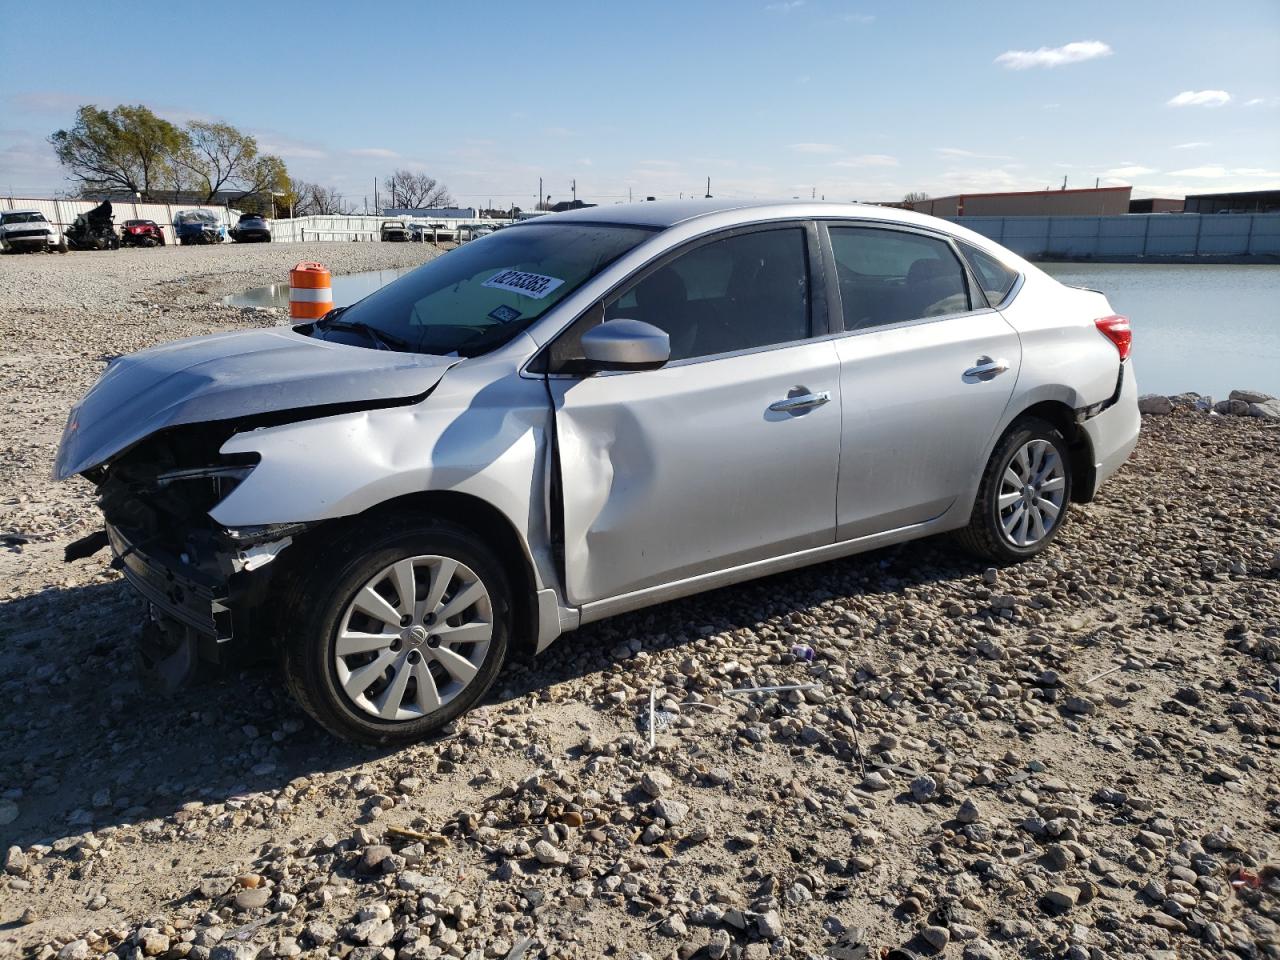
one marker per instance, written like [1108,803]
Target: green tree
[219,157]
[126,148]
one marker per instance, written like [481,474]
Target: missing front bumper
[190,596]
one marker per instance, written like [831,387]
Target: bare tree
[416,190]
[305,199]
[915,196]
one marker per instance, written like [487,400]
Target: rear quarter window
[995,279]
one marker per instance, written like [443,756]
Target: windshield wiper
[382,339]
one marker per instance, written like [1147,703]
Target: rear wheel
[393,636]
[1025,493]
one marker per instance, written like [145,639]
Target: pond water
[347,289]
[1210,328]
[1204,327]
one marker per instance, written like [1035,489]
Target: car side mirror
[625,345]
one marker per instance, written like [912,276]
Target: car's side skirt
[625,603]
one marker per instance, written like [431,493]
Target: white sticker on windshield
[532,285]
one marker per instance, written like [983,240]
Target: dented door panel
[671,473]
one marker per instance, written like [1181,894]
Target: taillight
[1116,329]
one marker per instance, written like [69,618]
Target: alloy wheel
[1032,491]
[413,638]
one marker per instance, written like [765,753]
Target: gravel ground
[1075,757]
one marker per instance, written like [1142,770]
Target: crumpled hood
[227,376]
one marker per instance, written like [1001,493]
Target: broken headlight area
[156,500]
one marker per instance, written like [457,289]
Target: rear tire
[437,660]
[1025,494]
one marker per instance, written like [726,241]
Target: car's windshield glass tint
[481,294]
[23,218]
[888,276]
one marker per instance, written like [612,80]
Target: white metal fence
[285,230]
[366,228]
[64,212]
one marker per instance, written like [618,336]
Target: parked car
[423,232]
[393,231]
[141,233]
[251,228]
[587,414]
[94,230]
[477,230]
[198,227]
[28,230]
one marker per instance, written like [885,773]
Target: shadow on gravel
[82,748]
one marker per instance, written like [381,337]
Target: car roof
[24,210]
[668,213]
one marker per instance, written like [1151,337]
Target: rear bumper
[1113,433]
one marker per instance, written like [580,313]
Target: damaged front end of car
[205,585]
[150,437]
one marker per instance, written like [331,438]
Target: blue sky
[851,99]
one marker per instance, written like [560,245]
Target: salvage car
[393,231]
[27,231]
[94,230]
[587,414]
[198,227]
[141,233]
[251,228]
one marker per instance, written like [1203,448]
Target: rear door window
[890,276]
[993,276]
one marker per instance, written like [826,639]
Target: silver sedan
[586,414]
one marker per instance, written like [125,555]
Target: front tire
[1025,493]
[394,635]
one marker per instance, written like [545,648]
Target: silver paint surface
[673,480]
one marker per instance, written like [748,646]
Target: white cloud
[380,153]
[1210,172]
[1193,145]
[814,148]
[867,160]
[1076,52]
[969,154]
[1200,98]
[1129,170]
[786,6]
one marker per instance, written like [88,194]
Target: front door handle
[805,401]
[986,369]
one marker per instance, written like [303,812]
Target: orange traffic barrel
[310,291]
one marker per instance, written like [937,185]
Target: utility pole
[574,187]
[708,196]
[813,193]
[1064,181]
[628,194]
[538,205]
[377,209]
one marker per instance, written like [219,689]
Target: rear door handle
[806,401]
[986,369]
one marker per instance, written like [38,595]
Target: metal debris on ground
[1104,673]
[802,651]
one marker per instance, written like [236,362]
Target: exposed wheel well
[1081,450]
[487,522]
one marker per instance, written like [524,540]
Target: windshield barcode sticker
[532,285]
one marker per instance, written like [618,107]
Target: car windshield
[479,296]
[139,223]
[23,218]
